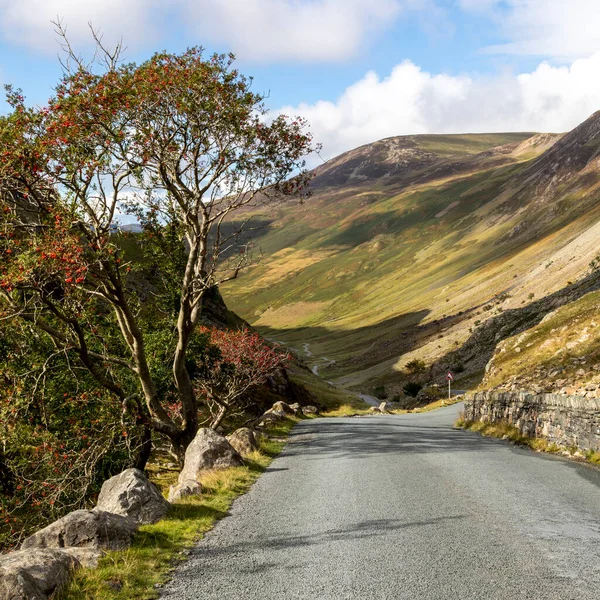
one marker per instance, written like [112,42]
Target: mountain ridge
[423,253]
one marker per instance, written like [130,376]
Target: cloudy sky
[359,70]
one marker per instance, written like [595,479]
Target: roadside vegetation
[138,572]
[116,344]
[506,431]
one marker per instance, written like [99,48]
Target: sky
[358,70]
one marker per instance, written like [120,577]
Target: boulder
[296,408]
[282,407]
[280,414]
[130,494]
[269,418]
[208,450]
[87,557]
[189,487]
[85,529]
[384,407]
[309,410]
[375,409]
[34,574]
[243,440]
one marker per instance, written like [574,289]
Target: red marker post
[449,379]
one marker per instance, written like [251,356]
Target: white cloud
[559,29]
[280,30]
[302,30]
[410,101]
[28,22]
[264,30]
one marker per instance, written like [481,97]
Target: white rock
[130,494]
[85,529]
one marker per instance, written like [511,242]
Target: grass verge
[348,410]
[506,431]
[139,572]
[440,403]
[351,410]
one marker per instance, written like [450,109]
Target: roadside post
[449,379]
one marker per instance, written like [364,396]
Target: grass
[570,332]
[506,431]
[441,403]
[347,410]
[139,572]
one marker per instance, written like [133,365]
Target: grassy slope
[351,277]
[564,339]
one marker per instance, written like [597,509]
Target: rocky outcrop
[34,574]
[208,450]
[87,557]
[565,380]
[477,351]
[130,494]
[85,529]
[184,489]
[243,440]
[309,410]
[564,420]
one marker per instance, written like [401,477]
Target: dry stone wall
[564,420]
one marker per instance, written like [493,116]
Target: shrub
[412,388]
[61,435]
[379,392]
[416,366]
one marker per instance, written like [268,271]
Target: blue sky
[359,70]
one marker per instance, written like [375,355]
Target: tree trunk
[145,449]
[219,417]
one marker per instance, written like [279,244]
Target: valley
[410,246]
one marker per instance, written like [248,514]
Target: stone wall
[564,420]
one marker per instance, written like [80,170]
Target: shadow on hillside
[372,344]
[394,337]
[476,352]
[239,233]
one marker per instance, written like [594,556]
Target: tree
[232,364]
[183,143]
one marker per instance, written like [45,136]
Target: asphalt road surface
[404,507]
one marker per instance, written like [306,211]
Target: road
[404,507]
[370,400]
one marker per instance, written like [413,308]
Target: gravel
[403,507]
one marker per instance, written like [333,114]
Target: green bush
[412,388]
[61,435]
[416,366]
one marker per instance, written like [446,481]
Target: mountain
[409,247]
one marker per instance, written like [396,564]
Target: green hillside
[411,244]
